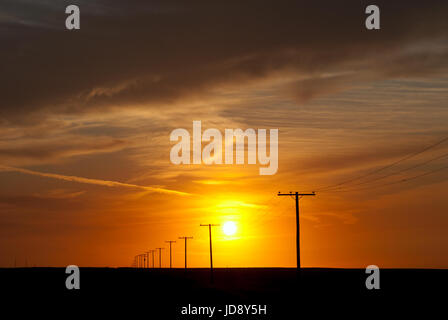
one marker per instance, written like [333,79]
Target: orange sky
[85,174]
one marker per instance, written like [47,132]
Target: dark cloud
[152,53]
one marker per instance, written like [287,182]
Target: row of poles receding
[142,260]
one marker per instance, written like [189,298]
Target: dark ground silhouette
[161,293]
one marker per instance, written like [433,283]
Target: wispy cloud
[106,183]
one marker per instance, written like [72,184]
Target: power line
[390,174]
[395,182]
[384,167]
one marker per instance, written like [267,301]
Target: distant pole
[185,238]
[147,258]
[144,260]
[211,255]
[160,256]
[170,242]
[152,252]
[297,196]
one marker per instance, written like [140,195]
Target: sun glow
[229,228]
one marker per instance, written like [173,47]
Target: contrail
[106,183]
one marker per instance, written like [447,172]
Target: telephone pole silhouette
[147,258]
[185,238]
[152,253]
[160,256]
[170,242]
[211,255]
[142,261]
[297,196]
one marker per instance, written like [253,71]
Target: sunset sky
[86,116]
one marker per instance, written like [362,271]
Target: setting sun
[229,228]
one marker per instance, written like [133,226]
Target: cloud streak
[98,182]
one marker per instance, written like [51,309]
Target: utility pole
[147,259]
[139,260]
[160,256]
[211,255]
[297,196]
[152,253]
[185,238]
[170,242]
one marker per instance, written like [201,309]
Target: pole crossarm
[299,194]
